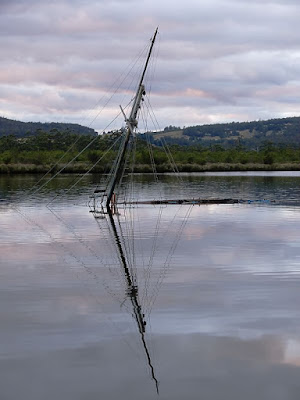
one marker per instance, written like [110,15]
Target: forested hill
[250,135]
[20,129]
[285,131]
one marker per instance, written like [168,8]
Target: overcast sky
[215,60]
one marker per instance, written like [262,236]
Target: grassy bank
[18,168]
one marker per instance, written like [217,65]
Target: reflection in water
[127,253]
[126,250]
[132,293]
[226,321]
[283,187]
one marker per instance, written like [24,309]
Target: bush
[268,159]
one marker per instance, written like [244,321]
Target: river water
[195,302]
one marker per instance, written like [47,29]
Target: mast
[131,124]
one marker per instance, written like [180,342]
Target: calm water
[202,299]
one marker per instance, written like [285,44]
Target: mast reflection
[132,293]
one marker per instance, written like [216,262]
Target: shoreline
[81,168]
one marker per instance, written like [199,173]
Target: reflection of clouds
[193,232]
[189,366]
[220,329]
[292,352]
[39,225]
[245,238]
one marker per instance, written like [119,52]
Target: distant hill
[285,131]
[251,135]
[20,129]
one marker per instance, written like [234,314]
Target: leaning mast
[131,124]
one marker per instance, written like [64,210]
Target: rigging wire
[129,225]
[154,245]
[130,69]
[56,242]
[152,67]
[168,260]
[138,58]
[164,143]
[74,158]
[150,149]
[86,173]
[158,220]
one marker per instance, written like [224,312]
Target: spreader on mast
[131,125]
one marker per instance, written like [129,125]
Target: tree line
[45,149]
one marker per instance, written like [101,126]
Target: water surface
[217,285]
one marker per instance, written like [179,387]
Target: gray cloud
[217,60]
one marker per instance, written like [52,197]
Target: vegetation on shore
[146,168]
[37,154]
